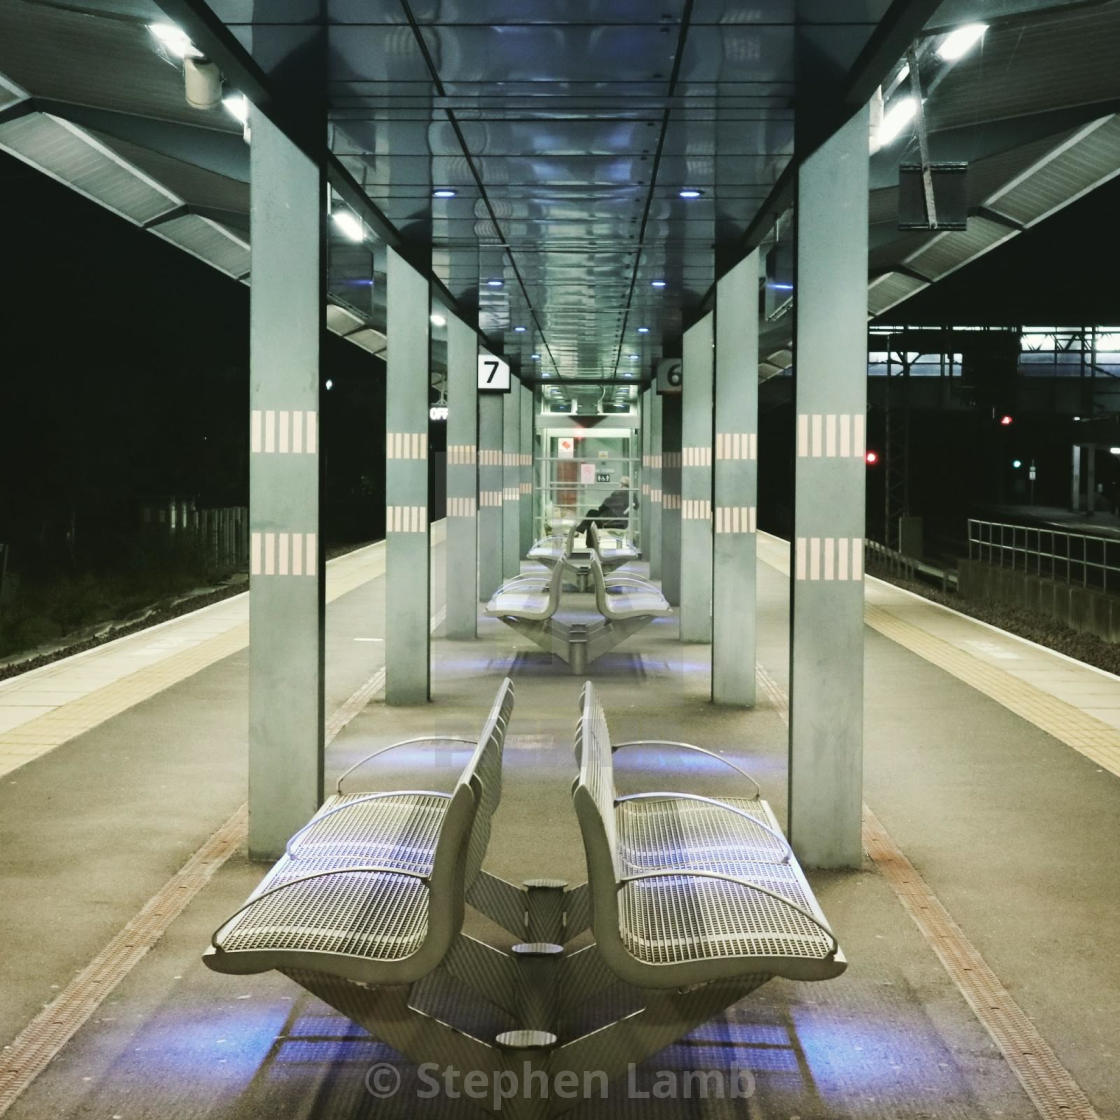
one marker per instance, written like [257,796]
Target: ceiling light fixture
[494,282]
[535,357]
[519,330]
[690,192]
[633,357]
[444,192]
[657,283]
[958,43]
[643,330]
[348,225]
[174,40]
[437,320]
[896,118]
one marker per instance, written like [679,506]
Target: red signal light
[1006,421]
[872,458]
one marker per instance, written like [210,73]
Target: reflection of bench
[623,604]
[551,551]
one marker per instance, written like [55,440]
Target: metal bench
[577,635]
[740,912]
[613,551]
[371,890]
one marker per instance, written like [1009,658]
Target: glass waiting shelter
[586,444]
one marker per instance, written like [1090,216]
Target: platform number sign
[493,374]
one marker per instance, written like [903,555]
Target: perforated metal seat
[630,596]
[373,888]
[733,836]
[663,918]
[528,597]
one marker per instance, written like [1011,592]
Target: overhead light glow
[657,283]
[494,282]
[780,287]
[329,385]
[690,192]
[1114,451]
[643,330]
[535,357]
[237,106]
[958,43]
[444,192]
[633,357]
[1017,463]
[348,225]
[896,118]
[174,40]
[437,320]
[519,330]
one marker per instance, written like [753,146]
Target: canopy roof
[532,156]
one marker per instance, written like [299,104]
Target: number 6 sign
[493,373]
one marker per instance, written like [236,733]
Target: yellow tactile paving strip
[42,733]
[1094,739]
[1097,740]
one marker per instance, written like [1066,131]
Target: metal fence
[221,534]
[1075,558]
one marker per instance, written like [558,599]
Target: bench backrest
[599,582]
[483,774]
[593,795]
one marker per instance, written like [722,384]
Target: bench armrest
[690,747]
[742,883]
[368,869]
[664,796]
[319,818]
[403,743]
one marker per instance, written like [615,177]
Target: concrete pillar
[826,624]
[490,470]
[286,324]
[526,472]
[653,547]
[462,480]
[407,537]
[1075,480]
[511,484]
[644,516]
[671,497]
[696,483]
[735,486]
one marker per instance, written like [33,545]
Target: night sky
[125,361]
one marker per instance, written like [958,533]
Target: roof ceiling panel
[1090,158]
[208,241]
[66,153]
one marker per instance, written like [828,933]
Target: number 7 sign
[493,373]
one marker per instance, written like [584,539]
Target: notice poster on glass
[566,448]
[587,473]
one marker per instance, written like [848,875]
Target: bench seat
[372,889]
[622,596]
[688,890]
[530,597]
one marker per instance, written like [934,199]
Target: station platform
[983,981]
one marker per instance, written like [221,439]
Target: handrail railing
[1073,558]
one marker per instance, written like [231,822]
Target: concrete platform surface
[1013,828]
